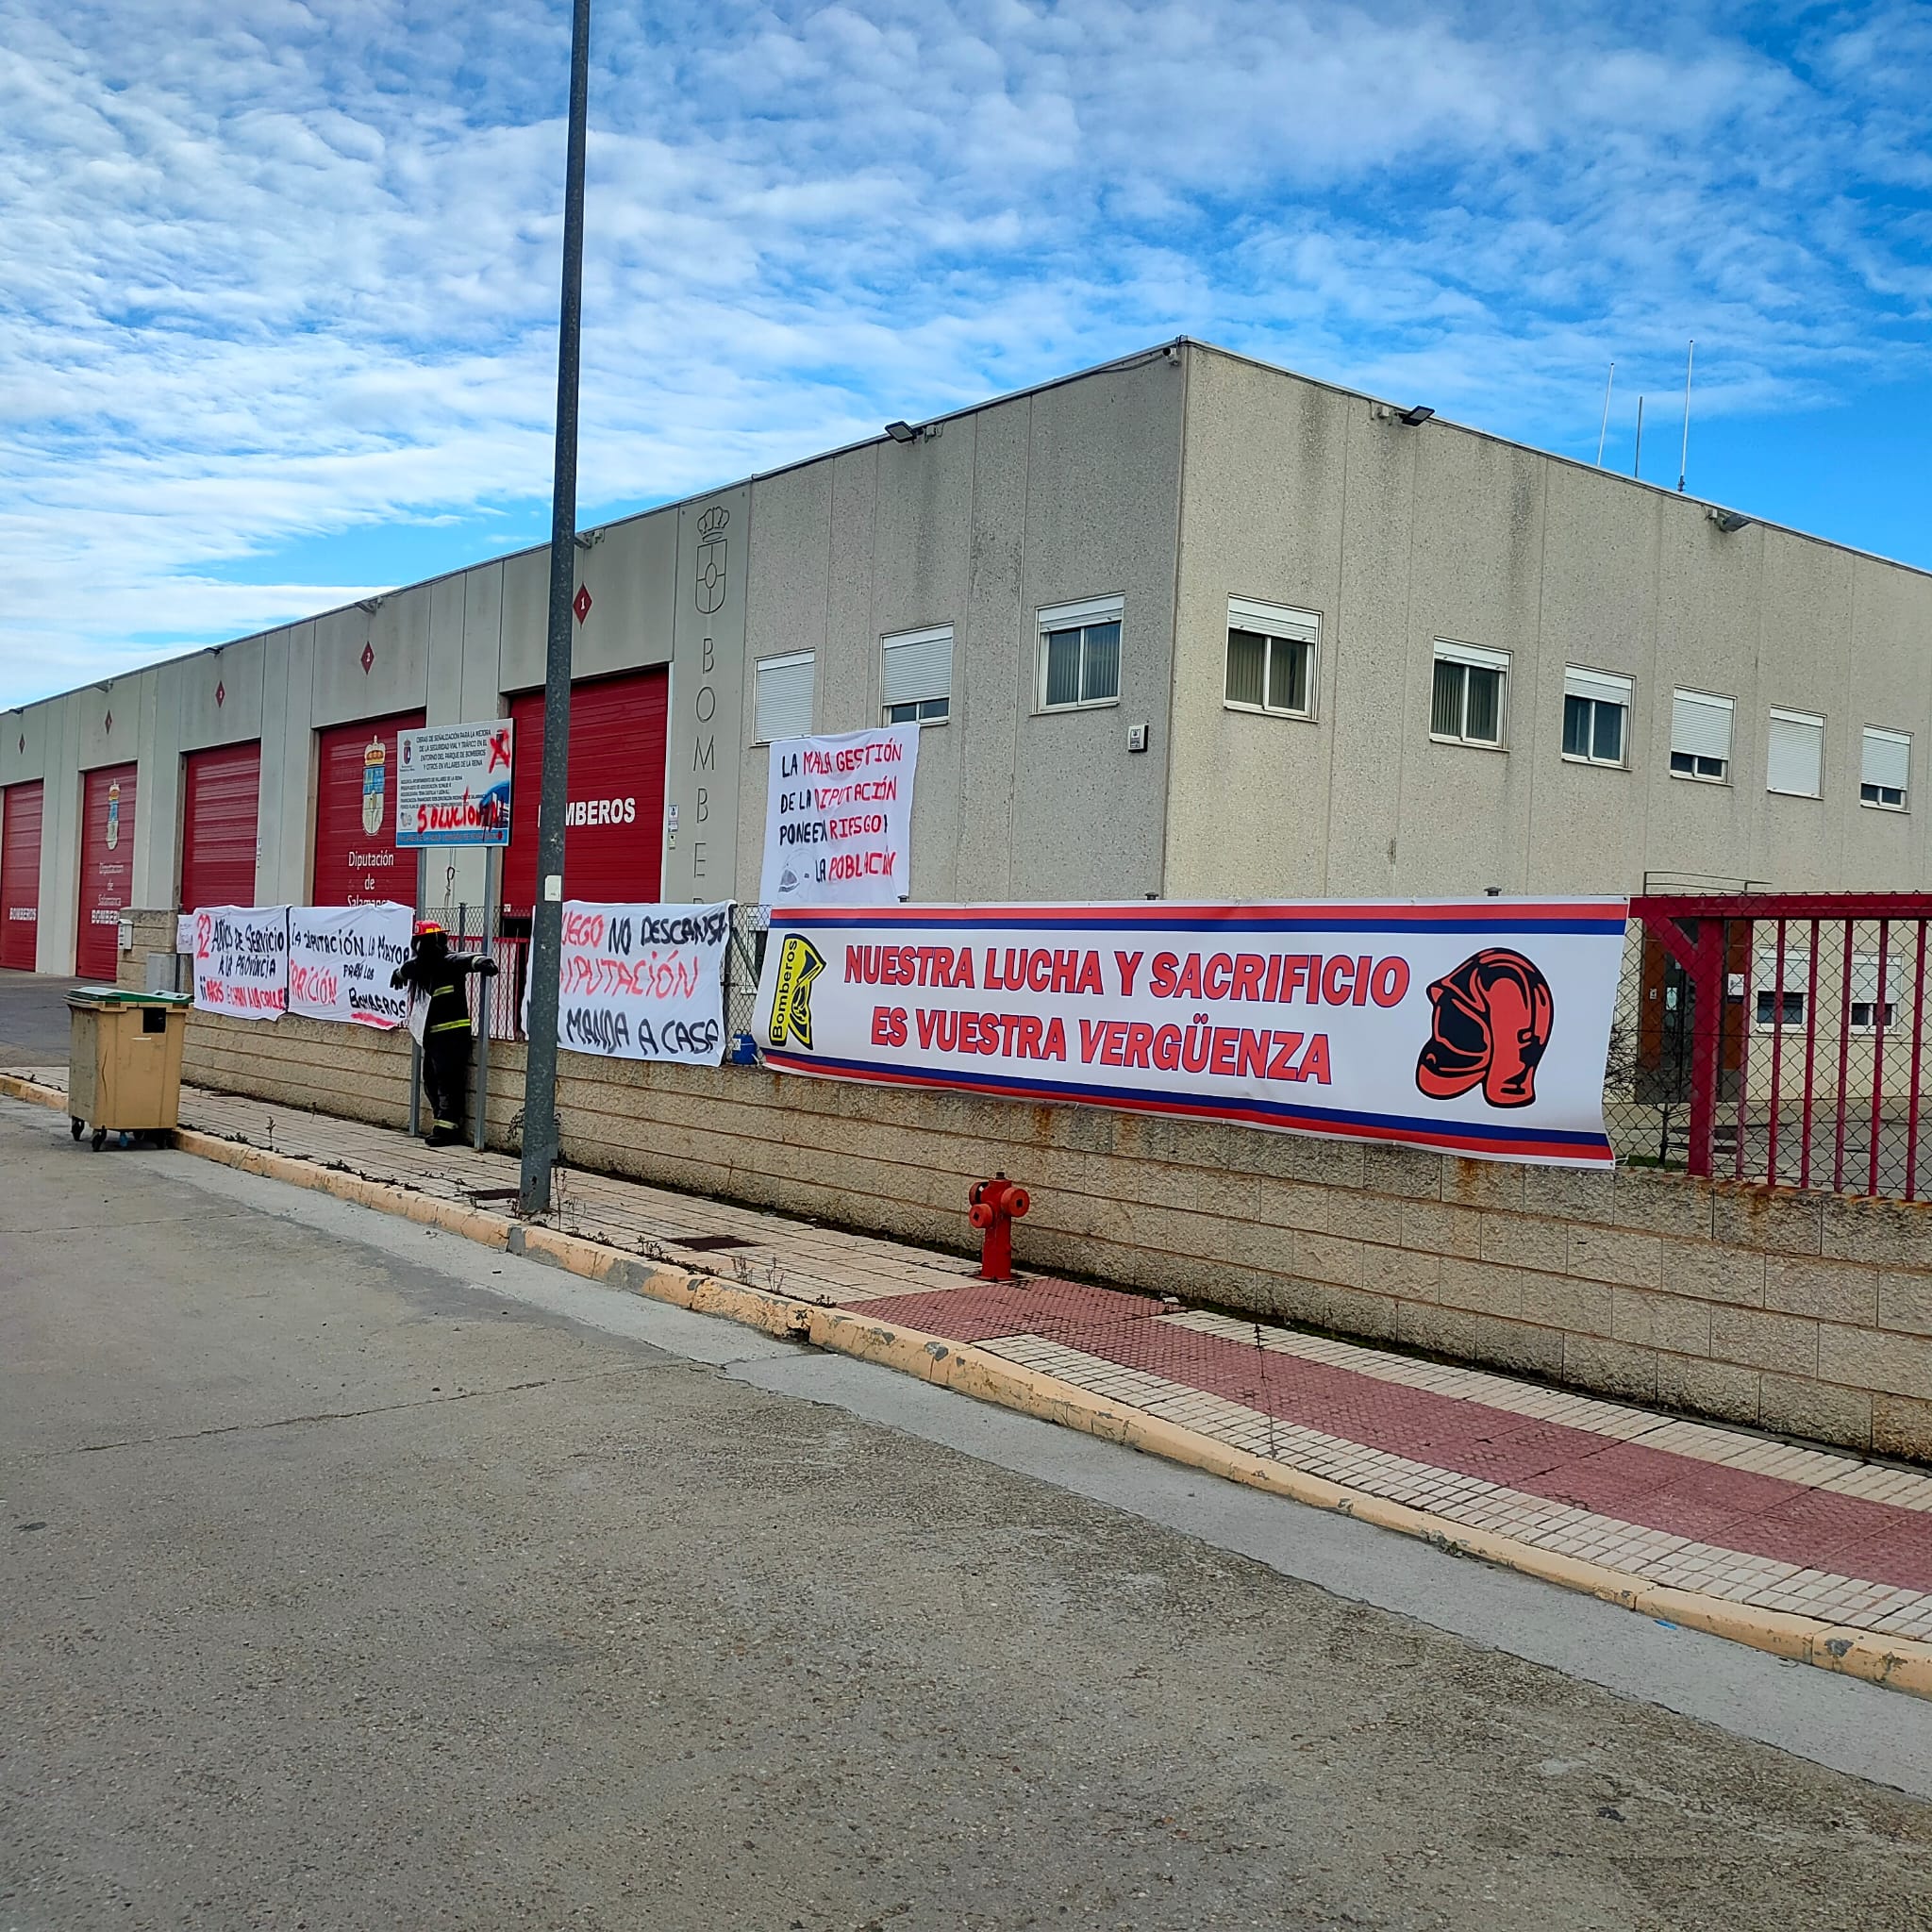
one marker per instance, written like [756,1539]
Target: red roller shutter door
[220,794]
[20,875]
[614,827]
[355,866]
[106,870]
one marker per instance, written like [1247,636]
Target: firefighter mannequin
[434,973]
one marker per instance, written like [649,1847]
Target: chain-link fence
[1774,1039]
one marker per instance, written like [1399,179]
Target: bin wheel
[77,1124]
[100,1139]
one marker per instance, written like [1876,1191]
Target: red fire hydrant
[996,1204]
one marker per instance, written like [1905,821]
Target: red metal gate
[107,869]
[357,859]
[221,791]
[1783,1035]
[19,874]
[614,822]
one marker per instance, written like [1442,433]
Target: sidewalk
[1759,1532]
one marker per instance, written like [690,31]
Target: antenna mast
[1684,459]
[1637,456]
[1605,429]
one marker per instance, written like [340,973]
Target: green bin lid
[125,996]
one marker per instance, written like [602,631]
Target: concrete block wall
[1805,1313]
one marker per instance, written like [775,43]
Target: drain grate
[710,1243]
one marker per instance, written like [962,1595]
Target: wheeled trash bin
[124,1062]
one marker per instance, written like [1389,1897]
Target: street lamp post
[546,936]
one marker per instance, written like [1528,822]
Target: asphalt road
[359,1577]
[33,1018]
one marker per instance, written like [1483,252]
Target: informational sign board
[1479,1028]
[242,960]
[839,819]
[643,982]
[339,962]
[453,784]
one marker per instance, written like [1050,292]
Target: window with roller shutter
[782,697]
[221,791]
[1794,754]
[1700,736]
[916,676]
[1885,775]
[19,874]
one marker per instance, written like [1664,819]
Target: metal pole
[1604,430]
[1637,454]
[546,923]
[1684,456]
[492,880]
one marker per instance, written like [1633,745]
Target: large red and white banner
[1478,1027]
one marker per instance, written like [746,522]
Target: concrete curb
[1898,1664]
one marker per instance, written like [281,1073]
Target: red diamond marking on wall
[221,695]
[367,658]
[581,603]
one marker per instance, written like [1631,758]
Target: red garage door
[107,869]
[220,793]
[20,875]
[614,826]
[356,862]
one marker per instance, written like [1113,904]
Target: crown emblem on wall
[713,520]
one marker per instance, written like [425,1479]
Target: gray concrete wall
[1307,496]
[1064,494]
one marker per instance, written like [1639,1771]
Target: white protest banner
[453,784]
[242,960]
[643,982]
[339,962]
[1479,1028]
[839,819]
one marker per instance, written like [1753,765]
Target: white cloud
[277,270]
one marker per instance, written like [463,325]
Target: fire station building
[1183,626]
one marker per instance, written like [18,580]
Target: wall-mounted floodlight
[1727,520]
[902,432]
[589,539]
[370,604]
[1415,417]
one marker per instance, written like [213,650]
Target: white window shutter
[781,703]
[1865,977]
[1604,686]
[1701,725]
[1888,759]
[1478,656]
[1794,754]
[916,666]
[1797,969]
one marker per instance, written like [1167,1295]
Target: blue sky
[277,287]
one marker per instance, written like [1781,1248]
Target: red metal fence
[1775,1037]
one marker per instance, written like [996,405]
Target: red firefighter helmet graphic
[1493,1019]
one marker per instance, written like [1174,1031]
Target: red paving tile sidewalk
[1692,1505]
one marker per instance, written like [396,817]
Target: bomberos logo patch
[1492,1016]
[800,962]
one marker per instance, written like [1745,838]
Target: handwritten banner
[242,960]
[1479,1028]
[839,819]
[339,962]
[642,982]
